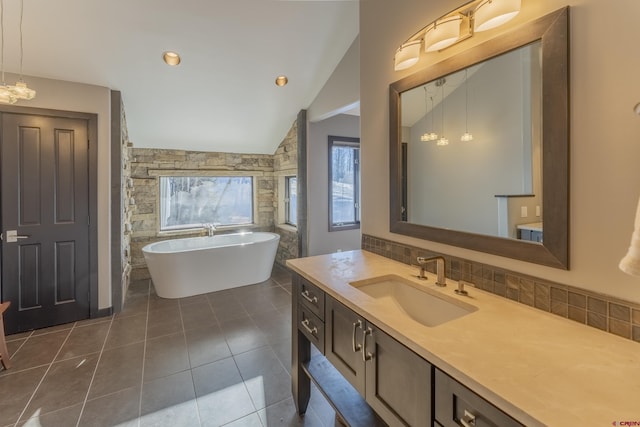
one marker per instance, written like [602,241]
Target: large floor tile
[133,306]
[38,350]
[274,325]
[243,335]
[84,340]
[158,303]
[169,401]
[267,381]
[15,391]
[221,393]
[251,420]
[61,417]
[165,356]
[283,351]
[56,328]
[165,321]
[284,414]
[127,330]
[206,345]
[117,409]
[198,315]
[229,311]
[119,368]
[66,384]
[18,336]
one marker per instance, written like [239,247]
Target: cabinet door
[398,384]
[343,342]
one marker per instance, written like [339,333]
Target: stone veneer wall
[126,205]
[597,310]
[285,163]
[147,164]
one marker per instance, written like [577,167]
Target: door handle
[366,356]
[12,236]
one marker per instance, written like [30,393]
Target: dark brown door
[45,202]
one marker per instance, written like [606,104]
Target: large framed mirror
[479,146]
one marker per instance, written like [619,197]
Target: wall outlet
[523,212]
[538,210]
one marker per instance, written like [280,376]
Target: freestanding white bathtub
[197,265]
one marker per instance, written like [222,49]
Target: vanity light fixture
[493,13]
[171,58]
[454,27]
[428,136]
[407,55]
[445,32]
[467,136]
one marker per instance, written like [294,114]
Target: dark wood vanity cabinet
[456,405]
[370,378]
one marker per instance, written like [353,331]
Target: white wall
[69,96]
[321,241]
[605,134]
[342,91]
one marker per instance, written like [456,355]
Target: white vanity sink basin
[412,300]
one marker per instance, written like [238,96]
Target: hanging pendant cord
[466,95]
[21,51]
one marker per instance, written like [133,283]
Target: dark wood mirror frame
[552,30]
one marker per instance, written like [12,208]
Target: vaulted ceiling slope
[222,96]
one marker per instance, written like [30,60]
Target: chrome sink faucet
[440,269]
[211,229]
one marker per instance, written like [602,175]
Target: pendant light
[6,95]
[442,141]
[20,89]
[467,136]
[428,136]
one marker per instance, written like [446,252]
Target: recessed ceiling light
[281,80]
[171,58]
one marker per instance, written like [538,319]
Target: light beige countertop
[538,367]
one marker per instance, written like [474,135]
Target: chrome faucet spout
[211,229]
[440,269]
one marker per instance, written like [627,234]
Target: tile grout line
[144,352]
[86,397]
[45,374]
[186,347]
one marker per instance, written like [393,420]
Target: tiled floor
[209,360]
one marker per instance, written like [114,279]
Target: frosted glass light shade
[21,91]
[407,55]
[428,136]
[442,34]
[442,141]
[6,96]
[494,13]
[466,137]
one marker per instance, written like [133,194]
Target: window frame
[344,141]
[287,200]
[199,174]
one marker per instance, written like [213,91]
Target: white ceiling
[222,97]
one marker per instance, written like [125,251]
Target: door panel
[45,197]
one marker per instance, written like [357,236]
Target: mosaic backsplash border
[600,311]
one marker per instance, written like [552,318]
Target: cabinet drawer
[457,406]
[312,297]
[312,327]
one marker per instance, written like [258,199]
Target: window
[291,200]
[344,183]
[190,201]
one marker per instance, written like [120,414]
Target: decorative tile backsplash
[600,311]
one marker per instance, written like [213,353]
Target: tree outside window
[344,183]
[191,201]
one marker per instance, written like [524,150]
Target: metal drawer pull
[355,346]
[312,331]
[366,356]
[469,420]
[305,295]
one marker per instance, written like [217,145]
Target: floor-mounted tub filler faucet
[440,269]
[211,229]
